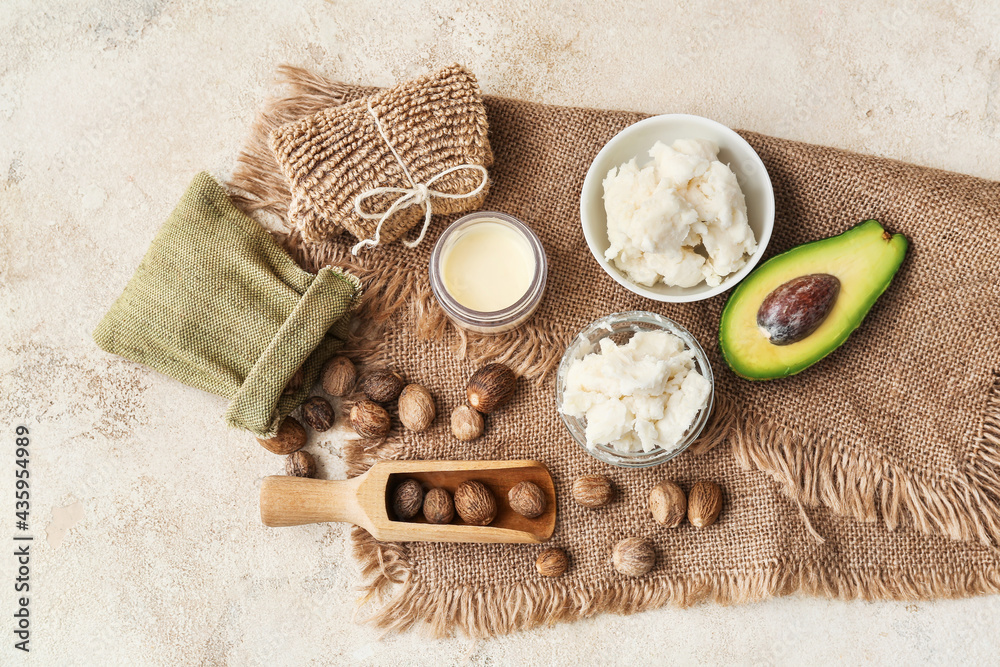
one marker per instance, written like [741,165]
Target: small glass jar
[620,327]
[488,272]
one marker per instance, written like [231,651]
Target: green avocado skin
[865,258]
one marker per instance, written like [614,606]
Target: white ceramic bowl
[635,141]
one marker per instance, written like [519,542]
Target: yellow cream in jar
[489,267]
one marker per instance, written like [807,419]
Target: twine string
[416,195]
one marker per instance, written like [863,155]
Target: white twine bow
[415,195]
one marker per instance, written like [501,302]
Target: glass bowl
[620,327]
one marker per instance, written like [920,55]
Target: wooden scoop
[366,501]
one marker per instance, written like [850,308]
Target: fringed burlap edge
[820,471]
[405,601]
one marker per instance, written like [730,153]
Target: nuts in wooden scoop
[370,419]
[318,413]
[339,376]
[407,499]
[552,562]
[466,423]
[300,464]
[634,556]
[491,387]
[382,386]
[704,503]
[438,507]
[475,503]
[416,408]
[668,504]
[527,499]
[593,491]
[291,437]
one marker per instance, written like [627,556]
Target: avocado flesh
[864,259]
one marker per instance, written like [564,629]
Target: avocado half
[864,258]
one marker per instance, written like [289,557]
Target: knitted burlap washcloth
[217,305]
[891,444]
[435,123]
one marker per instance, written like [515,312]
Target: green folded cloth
[217,305]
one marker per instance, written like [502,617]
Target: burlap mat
[899,428]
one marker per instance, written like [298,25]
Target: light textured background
[154,553]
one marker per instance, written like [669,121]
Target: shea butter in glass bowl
[620,328]
[488,272]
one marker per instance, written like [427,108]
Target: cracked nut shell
[407,499]
[552,562]
[382,386]
[466,423]
[300,464]
[416,408]
[527,499]
[475,503]
[704,503]
[369,419]
[291,437]
[294,382]
[318,413]
[593,491]
[667,504]
[634,556]
[438,506]
[339,376]
[490,387]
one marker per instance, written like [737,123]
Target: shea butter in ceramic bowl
[618,389]
[488,272]
[655,203]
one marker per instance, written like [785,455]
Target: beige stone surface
[148,548]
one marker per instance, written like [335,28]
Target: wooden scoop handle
[293,501]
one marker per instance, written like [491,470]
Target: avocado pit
[797,308]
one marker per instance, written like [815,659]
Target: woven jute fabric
[435,123]
[218,305]
[873,475]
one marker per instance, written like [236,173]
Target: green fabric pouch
[217,305]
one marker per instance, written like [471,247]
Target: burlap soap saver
[383,153]
[418,194]
[217,305]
